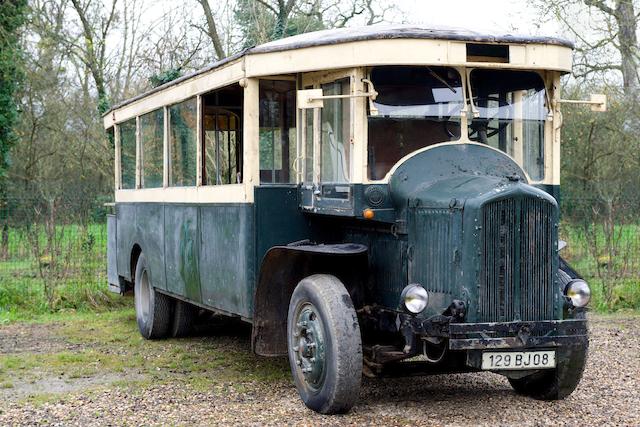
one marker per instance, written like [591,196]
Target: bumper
[511,335]
[464,343]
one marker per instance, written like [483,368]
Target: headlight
[578,292]
[415,298]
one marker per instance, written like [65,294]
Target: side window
[128,154]
[183,143]
[222,139]
[512,114]
[336,133]
[152,154]
[277,131]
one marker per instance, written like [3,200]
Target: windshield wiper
[441,80]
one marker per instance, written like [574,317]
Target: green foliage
[35,282]
[259,25]
[600,199]
[26,299]
[599,150]
[613,279]
[165,77]
[12,17]
[103,105]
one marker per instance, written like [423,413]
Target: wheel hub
[310,348]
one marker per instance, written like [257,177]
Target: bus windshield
[510,114]
[415,107]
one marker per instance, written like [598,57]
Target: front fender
[282,268]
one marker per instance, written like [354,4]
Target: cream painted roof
[346,35]
[376,32]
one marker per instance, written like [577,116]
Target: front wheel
[557,383]
[325,348]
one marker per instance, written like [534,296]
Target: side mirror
[598,102]
[313,98]
[309,98]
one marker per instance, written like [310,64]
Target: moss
[39,399]
[110,343]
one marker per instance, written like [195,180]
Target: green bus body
[428,229]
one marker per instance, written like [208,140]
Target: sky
[496,15]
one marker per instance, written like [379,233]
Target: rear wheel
[325,348]
[153,309]
[557,383]
[184,316]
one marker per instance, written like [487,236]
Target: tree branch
[600,5]
[267,5]
[212,30]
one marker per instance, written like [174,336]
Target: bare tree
[340,14]
[96,26]
[212,29]
[265,20]
[606,34]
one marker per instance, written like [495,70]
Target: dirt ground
[96,370]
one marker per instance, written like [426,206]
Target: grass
[119,329]
[623,277]
[76,277]
[25,299]
[81,285]
[109,345]
[68,235]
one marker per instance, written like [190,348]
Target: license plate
[518,360]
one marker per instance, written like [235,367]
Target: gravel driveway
[608,394]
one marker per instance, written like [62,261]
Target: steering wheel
[480,129]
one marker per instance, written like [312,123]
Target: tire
[558,383]
[184,316]
[327,375]
[153,309]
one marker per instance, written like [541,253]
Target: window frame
[240,131]
[168,152]
[315,80]
[139,141]
[118,160]
[295,170]
[464,118]
[551,80]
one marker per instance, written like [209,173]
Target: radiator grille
[517,260]
[433,240]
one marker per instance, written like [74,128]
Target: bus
[373,201]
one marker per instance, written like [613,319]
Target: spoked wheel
[153,309]
[325,348]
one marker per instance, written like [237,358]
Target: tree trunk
[627,26]
[212,31]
